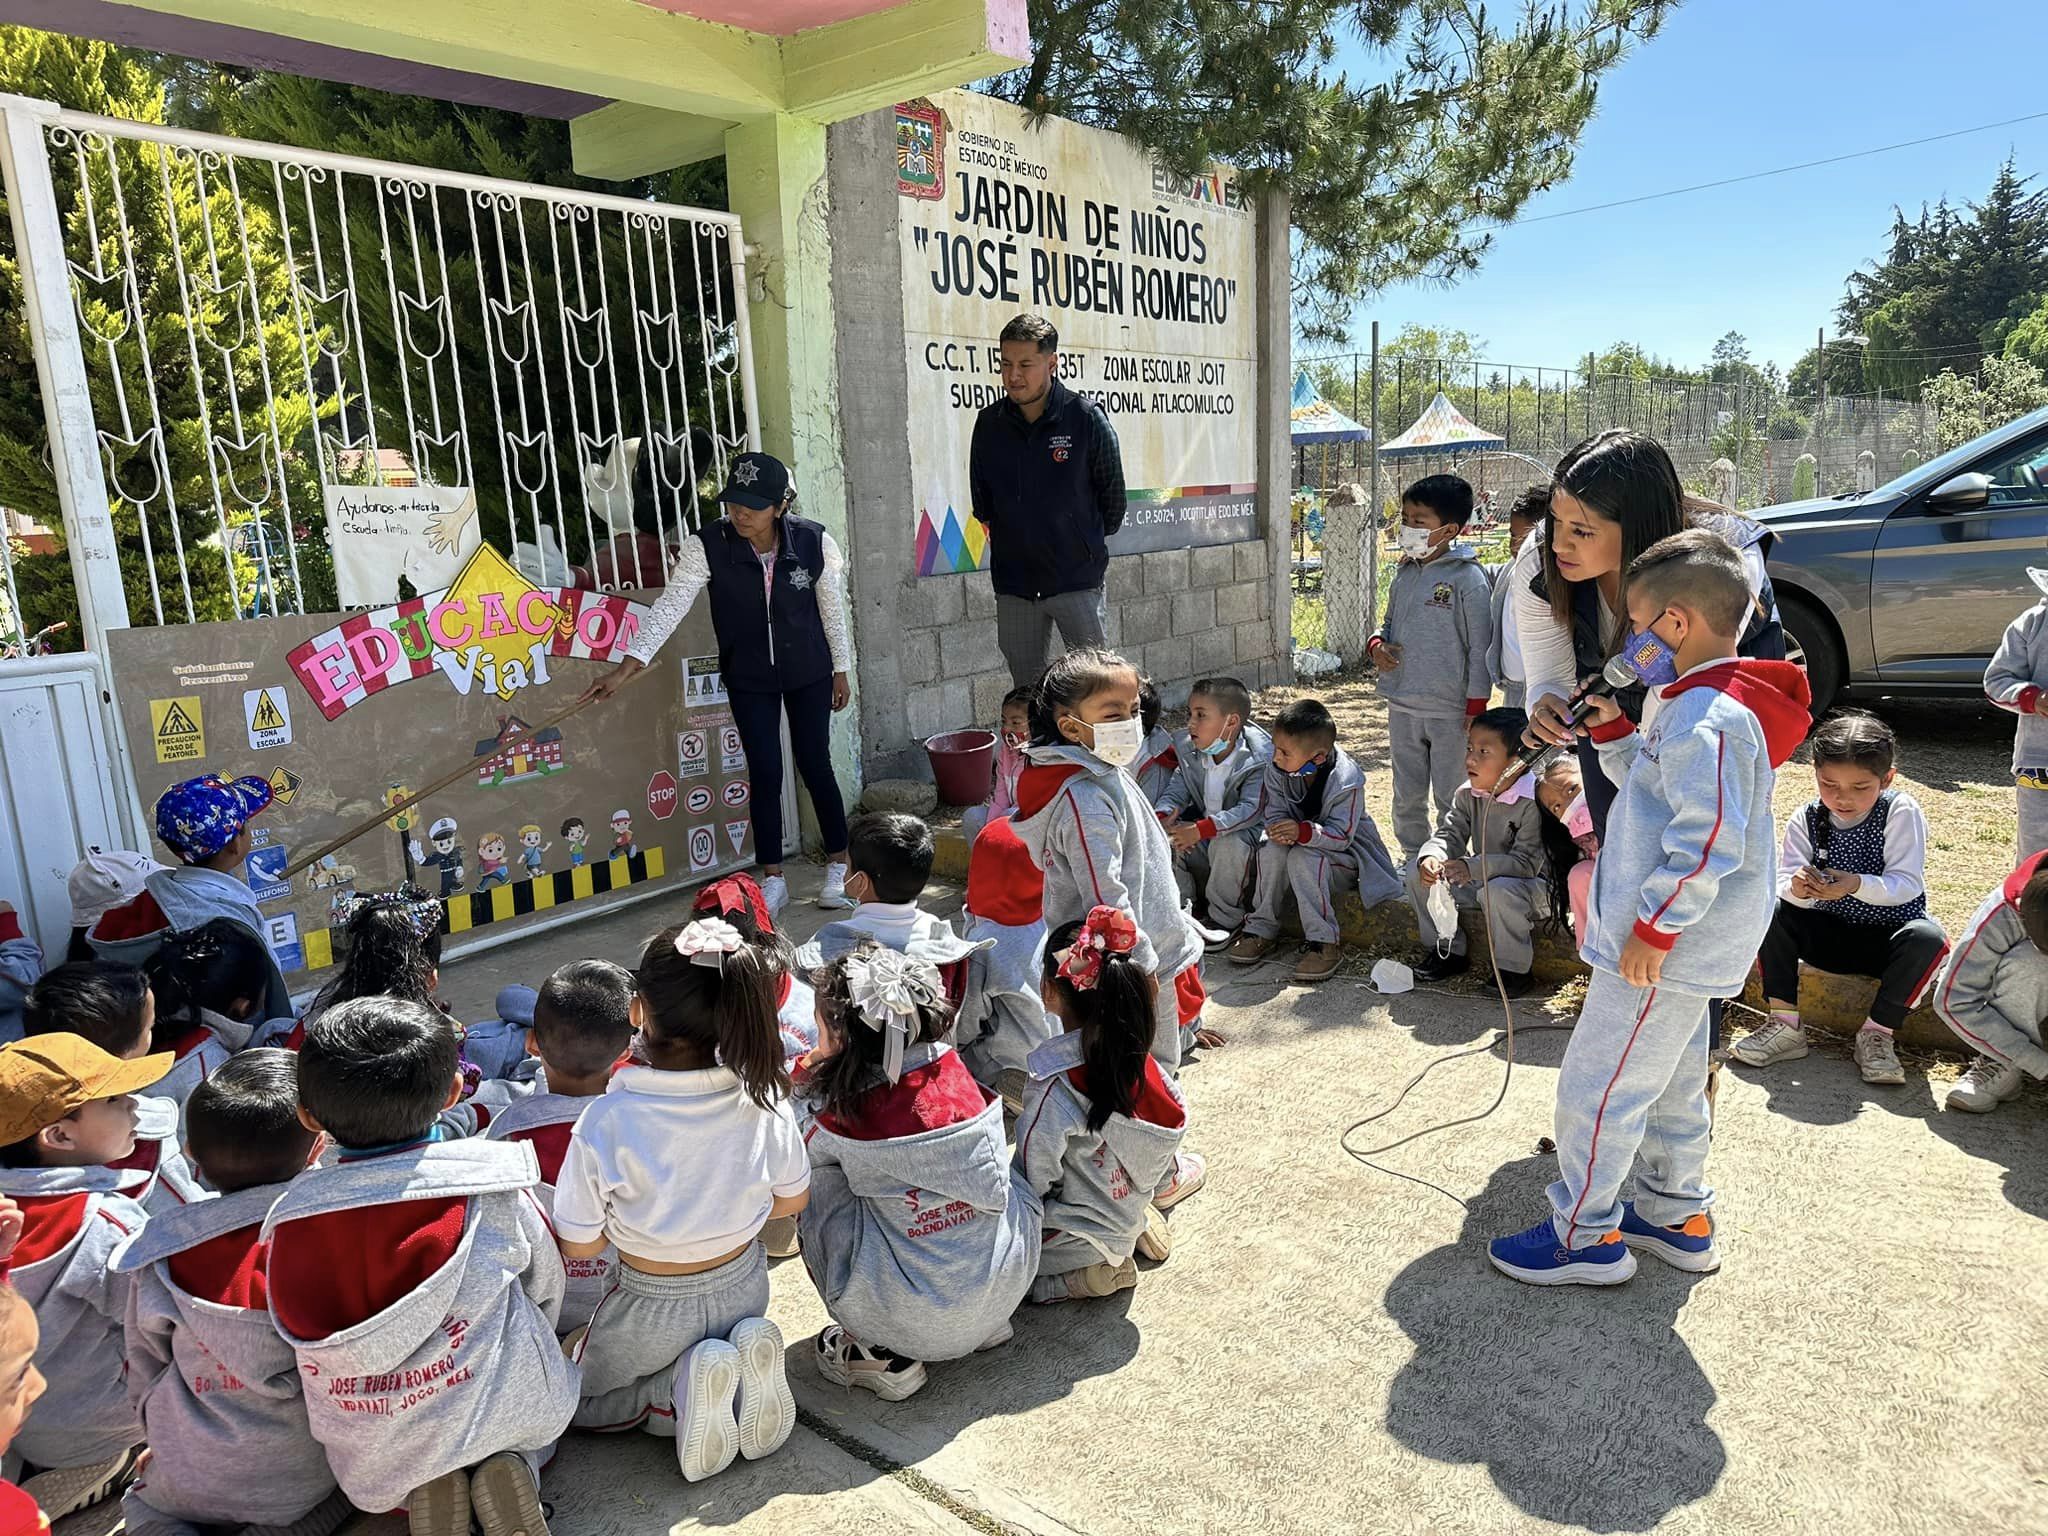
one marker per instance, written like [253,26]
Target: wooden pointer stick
[384,816]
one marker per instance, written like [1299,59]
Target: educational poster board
[345,713]
[1150,278]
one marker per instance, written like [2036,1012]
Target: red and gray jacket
[1994,990]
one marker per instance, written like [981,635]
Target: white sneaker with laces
[775,891]
[1877,1058]
[1776,1041]
[833,897]
[1986,1084]
[1189,1174]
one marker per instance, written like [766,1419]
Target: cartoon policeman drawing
[447,855]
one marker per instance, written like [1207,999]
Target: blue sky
[1733,86]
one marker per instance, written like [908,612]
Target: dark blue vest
[777,646]
[1860,851]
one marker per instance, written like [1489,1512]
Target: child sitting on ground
[682,1346]
[1502,877]
[1319,837]
[582,1023]
[889,861]
[1158,757]
[920,1235]
[205,822]
[414,1264]
[1103,1123]
[113,1007]
[98,883]
[497,1046]
[21,962]
[739,900]
[1570,845]
[1993,992]
[208,984]
[1680,903]
[1211,805]
[214,1385]
[1431,653]
[1852,898]
[1504,653]
[1014,737]
[2017,680]
[67,1112]
[1001,1021]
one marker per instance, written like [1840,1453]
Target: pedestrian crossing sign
[179,730]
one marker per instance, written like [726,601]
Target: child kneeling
[1102,1125]
[920,1235]
[1994,990]
[1489,849]
[679,1165]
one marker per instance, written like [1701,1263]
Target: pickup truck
[1907,588]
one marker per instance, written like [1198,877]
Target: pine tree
[1463,121]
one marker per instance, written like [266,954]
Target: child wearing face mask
[1089,827]
[1489,854]
[1431,653]
[1570,844]
[889,858]
[1210,808]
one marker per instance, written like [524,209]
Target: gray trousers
[1024,628]
[2033,820]
[1429,759]
[1515,905]
[645,1324]
[1222,872]
[1313,877]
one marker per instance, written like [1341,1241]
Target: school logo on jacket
[1062,448]
[1440,596]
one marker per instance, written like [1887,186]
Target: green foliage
[1461,120]
[1968,406]
[1845,375]
[1788,424]
[1805,475]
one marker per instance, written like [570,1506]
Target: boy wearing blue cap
[205,823]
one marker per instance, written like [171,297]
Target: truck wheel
[1810,640]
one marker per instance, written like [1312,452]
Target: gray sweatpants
[1223,871]
[2033,820]
[1313,876]
[1515,906]
[1024,627]
[645,1324]
[1429,760]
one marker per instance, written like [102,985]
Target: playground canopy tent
[1312,419]
[1442,429]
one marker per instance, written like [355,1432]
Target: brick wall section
[1179,614]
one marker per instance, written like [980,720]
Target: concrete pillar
[1727,484]
[1276,453]
[1866,471]
[775,176]
[1346,601]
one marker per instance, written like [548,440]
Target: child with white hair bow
[920,1236]
[679,1165]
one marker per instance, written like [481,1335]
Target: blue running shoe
[1688,1246]
[1537,1257]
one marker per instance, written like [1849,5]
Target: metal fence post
[1372,511]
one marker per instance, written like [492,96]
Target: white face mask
[1118,742]
[1414,542]
[1578,817]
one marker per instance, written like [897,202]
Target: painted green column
[775,176]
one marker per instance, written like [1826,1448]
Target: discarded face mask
[1443,913]
[1391,977]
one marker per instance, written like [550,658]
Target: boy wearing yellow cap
[67,1111]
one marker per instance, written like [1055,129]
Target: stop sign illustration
[661,795]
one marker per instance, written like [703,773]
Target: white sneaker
[1776,1041]
[765,1409]
[1189,1174]
[1986,1084]
[775,891]
[834,898]
[1877,1058]
[707,1433]
[845,1363]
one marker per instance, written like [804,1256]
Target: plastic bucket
[963,765]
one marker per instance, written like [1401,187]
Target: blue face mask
[1653,661]
[1308,770]
[1218,749]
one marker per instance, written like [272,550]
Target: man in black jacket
[1047,480]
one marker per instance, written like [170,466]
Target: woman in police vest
[778,606]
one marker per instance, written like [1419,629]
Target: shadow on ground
[1583,1405]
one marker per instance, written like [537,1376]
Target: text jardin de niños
[1118,275]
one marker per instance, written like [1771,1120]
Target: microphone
[1616,674]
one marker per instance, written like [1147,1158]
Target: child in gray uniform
[679,1166]
[67,1112]
[417,1283]
[921,1236]
[213,1383]
[1102,1125]
[2017,680]
[1431,653]
[1489,849]
[1210,808]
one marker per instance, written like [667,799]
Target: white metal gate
[224,329]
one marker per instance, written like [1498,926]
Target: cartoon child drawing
[531,848]
[447,854]
[577,836]
[622,835]
[490,854]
